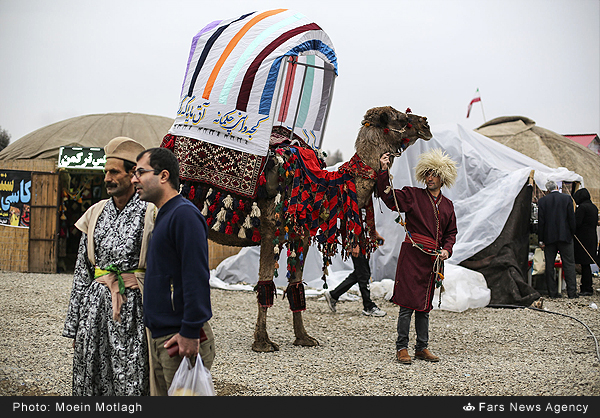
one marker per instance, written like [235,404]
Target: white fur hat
[438,162]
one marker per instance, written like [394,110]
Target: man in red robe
[430,235]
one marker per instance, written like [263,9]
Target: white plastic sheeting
[490,176]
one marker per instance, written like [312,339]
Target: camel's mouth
[425,135]
[424,131]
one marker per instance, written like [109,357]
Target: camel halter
[405,141]
[400,131]
[438,264]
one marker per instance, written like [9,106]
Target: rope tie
[98,272]
[586,251]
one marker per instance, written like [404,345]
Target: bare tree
[333,157]
[4,138]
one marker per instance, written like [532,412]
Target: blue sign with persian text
[15,197]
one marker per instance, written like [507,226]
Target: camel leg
[302,337]
[262,343]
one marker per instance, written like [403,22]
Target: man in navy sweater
[176,287]
[556,226]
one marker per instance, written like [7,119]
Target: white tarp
[490,176]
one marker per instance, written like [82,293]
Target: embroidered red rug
[224,168]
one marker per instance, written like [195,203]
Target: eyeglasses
[138,172]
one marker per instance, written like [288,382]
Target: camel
[275,223]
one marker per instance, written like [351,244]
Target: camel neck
[372,162]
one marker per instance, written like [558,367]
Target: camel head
[417,127]
[398,130]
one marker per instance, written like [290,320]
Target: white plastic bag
[192,381]
[539,262]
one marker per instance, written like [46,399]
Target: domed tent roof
[548,147]
[88,131]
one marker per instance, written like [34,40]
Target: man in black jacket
[556,226]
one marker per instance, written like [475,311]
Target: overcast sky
[535,58]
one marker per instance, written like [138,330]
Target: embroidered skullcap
[438,162]
[124,148]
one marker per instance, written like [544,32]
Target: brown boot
[403,357]
[426,355]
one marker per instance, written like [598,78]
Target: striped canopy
[250,73]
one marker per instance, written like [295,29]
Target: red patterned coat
[415,280]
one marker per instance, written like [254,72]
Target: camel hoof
[306,342]
[264,347]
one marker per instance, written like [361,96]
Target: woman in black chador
[586,216]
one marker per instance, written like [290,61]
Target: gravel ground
[483,351]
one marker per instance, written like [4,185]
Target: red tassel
[241,205]
[262,179]
[235,218]
[228,229]
[256,235]
[192,193]
[170,144]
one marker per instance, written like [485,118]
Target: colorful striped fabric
[245,75]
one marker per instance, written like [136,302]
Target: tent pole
[530,180]
[481,103]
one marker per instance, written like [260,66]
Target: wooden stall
[33,247]
[218,253]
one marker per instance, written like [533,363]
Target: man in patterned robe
[105,314]
[431,234]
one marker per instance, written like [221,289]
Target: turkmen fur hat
[124,148]
[438,162]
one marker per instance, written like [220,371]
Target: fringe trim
[296,296]
[265,293]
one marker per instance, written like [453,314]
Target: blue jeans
[421,328]
[360,275]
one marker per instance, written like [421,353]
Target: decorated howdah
[247,136]
[247,74]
